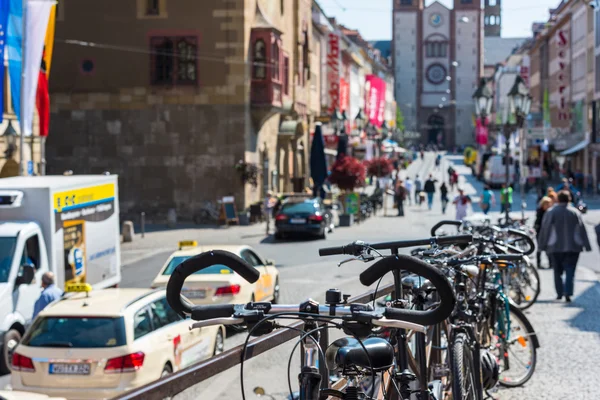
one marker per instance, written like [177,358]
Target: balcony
[266,94]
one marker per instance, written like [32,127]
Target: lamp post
[336,120]
[11,140]
[483,99]
[360,120]
[519,103]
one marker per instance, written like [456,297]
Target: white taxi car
[219,284]
[99,344]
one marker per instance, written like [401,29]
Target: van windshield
[7,250]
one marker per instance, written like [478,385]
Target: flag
[49,42]
[36,22]
[4,10]
[42,99]
[546,109]
[14,43]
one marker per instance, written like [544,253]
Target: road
[569,334]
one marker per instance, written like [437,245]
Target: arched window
[186,61]
[487,20]
[275,60]
[492,20]
[259,60]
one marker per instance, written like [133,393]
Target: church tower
[492,22]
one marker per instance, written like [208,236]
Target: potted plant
[248,172]
[348,173]
[379,167]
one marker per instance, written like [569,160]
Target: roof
[384,47]
[496,49]
[54,181]
[104,302]
[192,251]
[11,229]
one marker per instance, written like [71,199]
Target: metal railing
[176,383]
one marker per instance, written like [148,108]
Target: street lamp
[483,100]
[360,120]
[519,103]
[336,120]
[10,136]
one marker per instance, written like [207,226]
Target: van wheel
[11,340]
[219,343]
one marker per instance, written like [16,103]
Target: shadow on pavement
[587,320]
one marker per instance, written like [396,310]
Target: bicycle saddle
[347,352]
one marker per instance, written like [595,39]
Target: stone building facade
[172,95]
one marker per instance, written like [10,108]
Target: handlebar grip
[416,266]
[527,238]
[331,251]
[442,223]
[198,263]
[204,312]
[457,239]
[507,257]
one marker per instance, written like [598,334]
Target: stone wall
[166,155]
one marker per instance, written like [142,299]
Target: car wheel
[276,292]
[167,370]
[11,340]
[219,343]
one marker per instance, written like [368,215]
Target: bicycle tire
[462,368]
[516,312]
[528,303]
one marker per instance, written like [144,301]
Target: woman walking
[543,206]
[400,196]
[444,192]
[487,199]
[462,204]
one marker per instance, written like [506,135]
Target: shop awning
[291,128]
[579,146]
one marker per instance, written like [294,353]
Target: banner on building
[375,99]
[344,95]
[546,109]
[49,42]
[334,54]
[4,10]
[14,47]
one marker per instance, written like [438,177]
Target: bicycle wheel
[524,286]
[462,369]
[516,355]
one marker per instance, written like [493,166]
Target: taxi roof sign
[78,288]
[187,243]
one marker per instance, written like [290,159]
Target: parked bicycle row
[453,326]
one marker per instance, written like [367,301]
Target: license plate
[298,220]
[194,294]
[70,369]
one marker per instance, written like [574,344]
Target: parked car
[101,343]
[219,284]
[303,217]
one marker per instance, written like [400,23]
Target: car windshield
[306,207]
[76,332]
[213,269]
[7,251]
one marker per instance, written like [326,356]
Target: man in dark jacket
[563,237]
[430,190]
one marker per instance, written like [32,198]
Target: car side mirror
[268,261]
[26,276]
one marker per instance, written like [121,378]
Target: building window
[491,3]
[406,2]
[436,49]
[492,20]
[466,1]
[152,7]
[174,60]
[305,58]
[275,61]
[259,70]
[286,74]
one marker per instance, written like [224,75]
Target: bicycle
[355,357]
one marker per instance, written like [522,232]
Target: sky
[373,18]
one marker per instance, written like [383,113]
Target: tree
[379,167]
[399,119]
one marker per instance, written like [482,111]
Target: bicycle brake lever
[346,261]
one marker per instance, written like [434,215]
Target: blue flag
[15,52]
[4,9]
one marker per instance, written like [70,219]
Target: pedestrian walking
[461,202]
[453,180]
[544,205]
[418,188]
[50,293]
[450,173]
[487,199]
[400,196]
[563,237]
[550,192]
[408,185]
[506,198]
[438,160]
[269,206]
[444,196]
[430,190]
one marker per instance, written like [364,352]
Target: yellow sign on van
[83,197]
[78,288]
[187,243]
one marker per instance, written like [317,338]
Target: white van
[495,171]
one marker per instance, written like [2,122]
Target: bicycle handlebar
[418,267]
[358,247]
[198,263]
[442,223]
